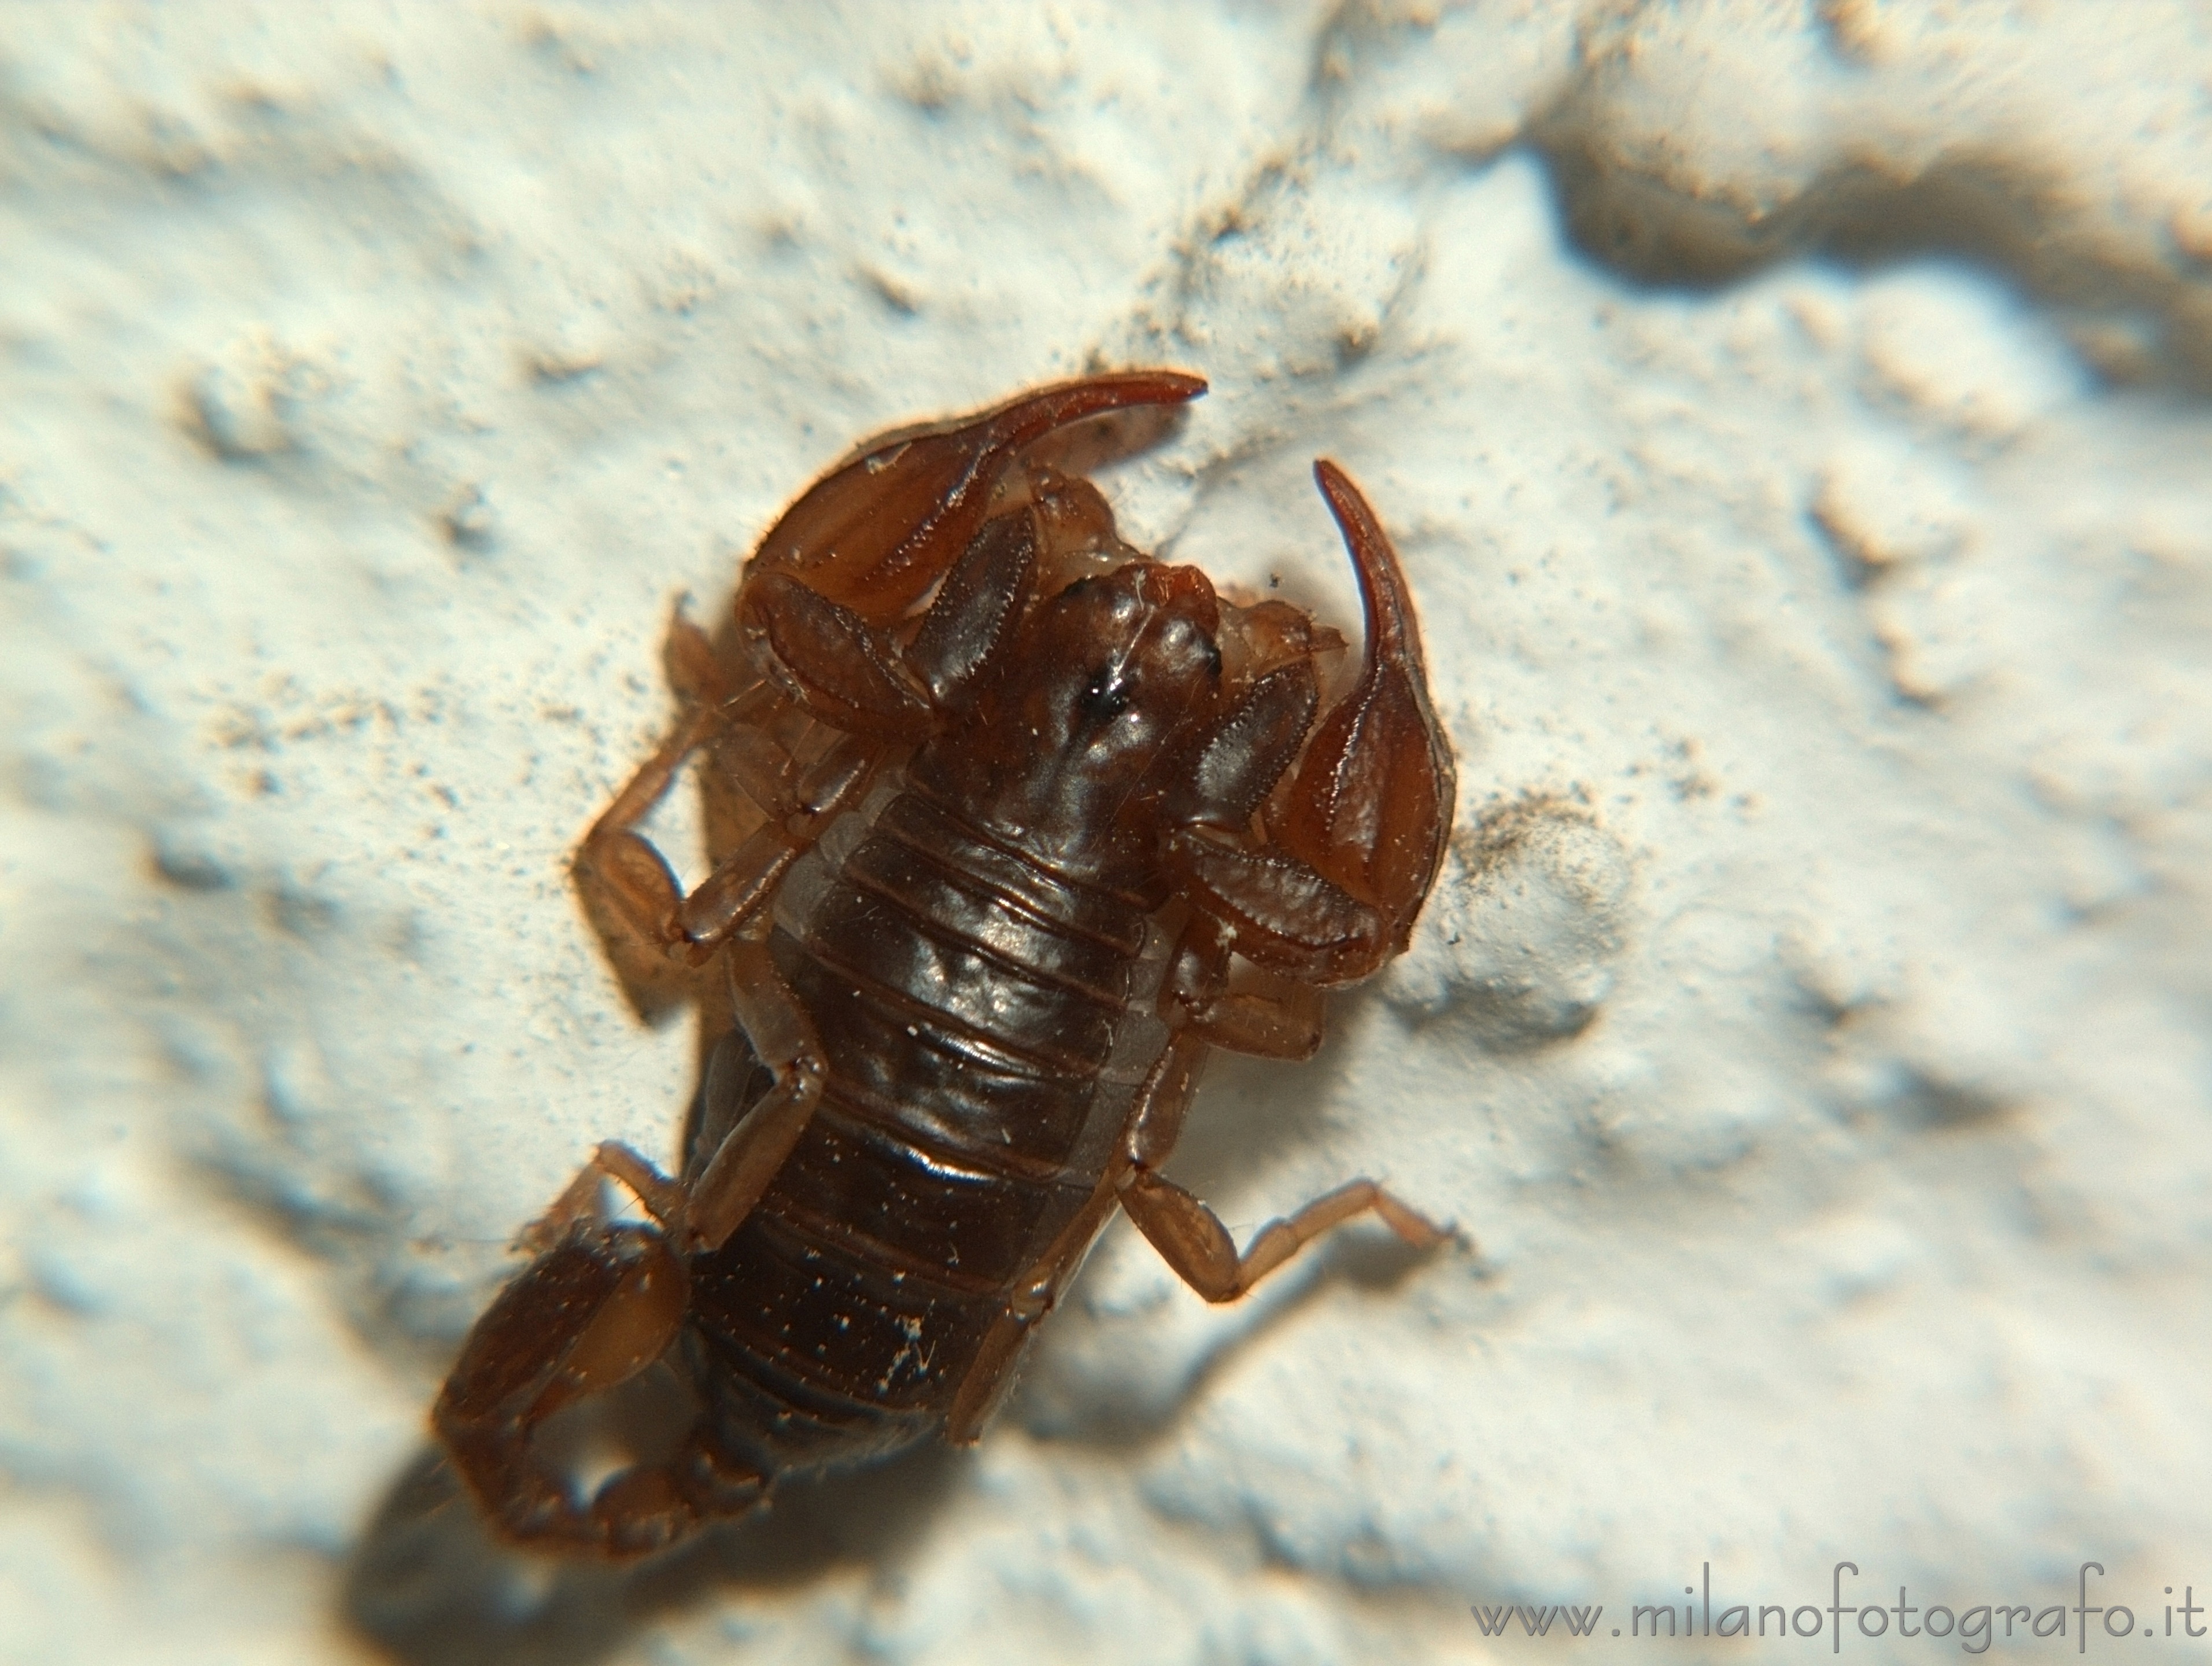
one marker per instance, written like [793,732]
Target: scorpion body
[1023,797]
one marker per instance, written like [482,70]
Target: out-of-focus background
[1794,421]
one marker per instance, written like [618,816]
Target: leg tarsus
[629,888]
[579,1203]
[1192,1240]
[662,1198]
[728,900]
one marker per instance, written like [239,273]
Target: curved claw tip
[1382,581]
[1150,386]
[1353,516]
[1345,501]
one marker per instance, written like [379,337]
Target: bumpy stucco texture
[1794,422]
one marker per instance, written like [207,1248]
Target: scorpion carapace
[1021,797]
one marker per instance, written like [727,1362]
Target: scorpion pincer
[1020,799]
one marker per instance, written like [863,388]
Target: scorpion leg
[1274,1024]
[623,874]
[1190,1236]
[580,1202]
[729,901]
[732,1177]
[1192,1240]
[1280,1021]
[1331,894]
[629,885]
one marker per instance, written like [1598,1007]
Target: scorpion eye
[1105,698]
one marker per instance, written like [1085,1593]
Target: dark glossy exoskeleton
[1022,796]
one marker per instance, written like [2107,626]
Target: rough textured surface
[1793,420]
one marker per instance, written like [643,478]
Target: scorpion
[1037,820]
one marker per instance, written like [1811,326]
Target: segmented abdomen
[976,1010]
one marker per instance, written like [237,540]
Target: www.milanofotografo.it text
[1973,1628]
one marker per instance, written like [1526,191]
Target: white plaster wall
[1794,419]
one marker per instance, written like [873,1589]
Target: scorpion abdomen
[976,1010]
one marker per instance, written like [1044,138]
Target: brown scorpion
[1038,819]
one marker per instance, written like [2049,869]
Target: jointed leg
[1189,1236]
[783,1039]
[1192,1240]
[798,803]
[1281,1019]
[729,899]
[617,864]
[662,1198]
[1284,1024]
